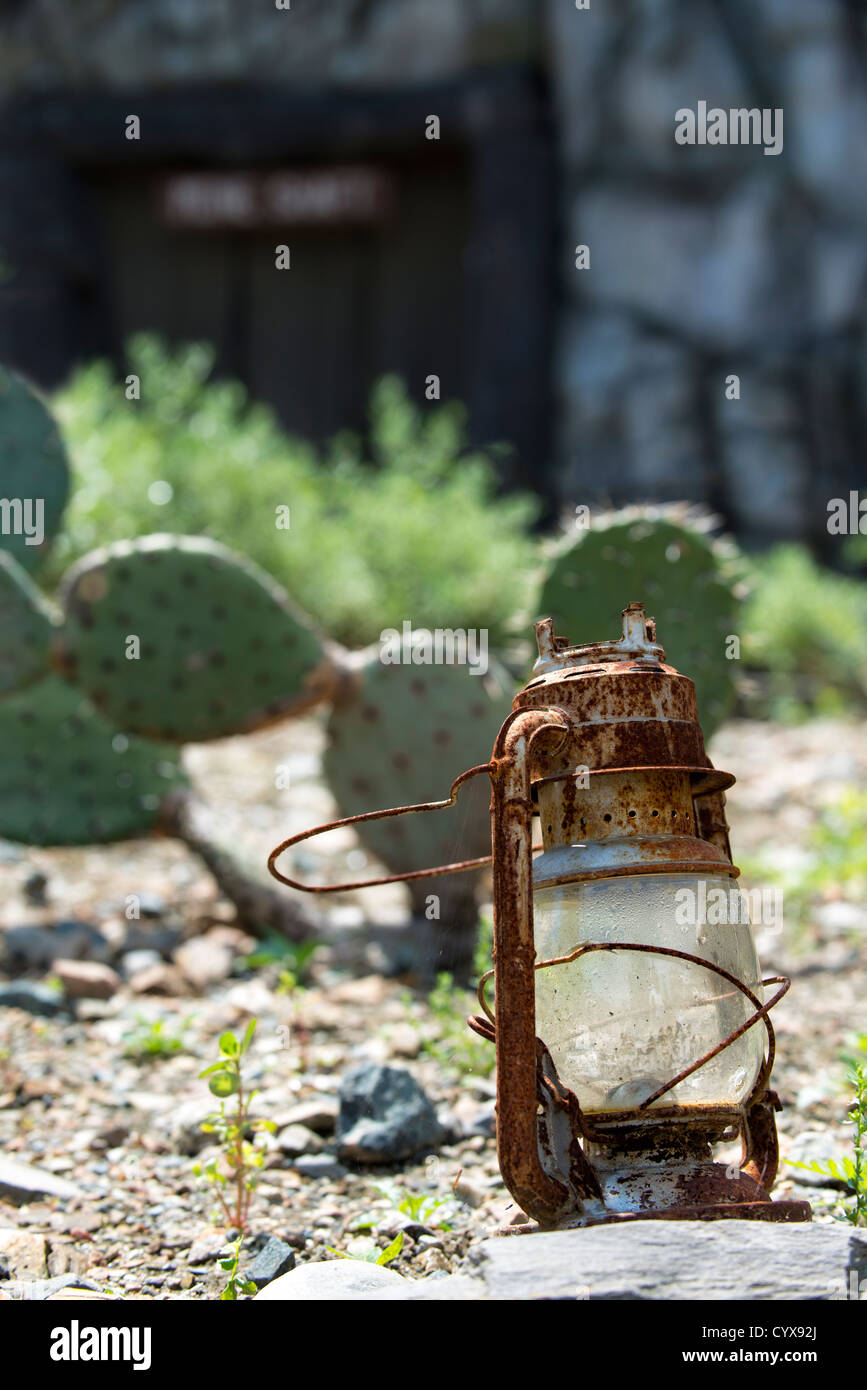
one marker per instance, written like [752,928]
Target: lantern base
[785,1212]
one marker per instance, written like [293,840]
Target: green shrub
[807,627]
[415,532]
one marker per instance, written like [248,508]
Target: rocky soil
[98,1137]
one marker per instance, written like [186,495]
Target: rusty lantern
[631,1035]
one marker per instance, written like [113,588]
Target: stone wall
[708,261]
[158,43]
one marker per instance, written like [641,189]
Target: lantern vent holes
[607,815]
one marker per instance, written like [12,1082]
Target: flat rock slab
[343,1280]
[659,1260]
[20,1182]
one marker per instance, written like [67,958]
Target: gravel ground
[78,1103]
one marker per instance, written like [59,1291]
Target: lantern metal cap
[638,643]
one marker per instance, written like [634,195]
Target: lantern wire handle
[458,868]
[761,1010]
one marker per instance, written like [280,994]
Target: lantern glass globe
[619,1024]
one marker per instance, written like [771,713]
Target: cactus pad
[33,470]
[680,575]
[26,627]
[68,777]
[403,738]
[220,648]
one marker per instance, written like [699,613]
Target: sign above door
[314,196]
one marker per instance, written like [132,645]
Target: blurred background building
[454,256]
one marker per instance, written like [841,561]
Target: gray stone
[331,1279]
[629,413]
[319,1166]
[204,961]
[24,1253]
[38,1290]
[731,271]
[36,999]
[38,947]
[319,1114]
[295,1140]
[672,56]
[816,1146]
[133,962]
[721,1261]
[764,454]
[384,1115]
[87,979]
[273,1260]
[21,1182]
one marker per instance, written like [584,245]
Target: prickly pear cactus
[69,777]
[402,736]
[26,627]
[34,474]
[683,578]
[178,638]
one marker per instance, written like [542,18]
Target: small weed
[234,1174]
[366,1249]
[293,957]
[150,1040]
[851,1171]
[456,1046]
[234,1285]
[421,1207]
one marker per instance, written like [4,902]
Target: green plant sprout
[292,956]
[234,1284]
[366,1249]
[455,1046]
[235,1171]
[850,1171]
[150,1040]
[423,1207]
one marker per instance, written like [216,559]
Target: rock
[319,1114]
[185,1124]
[837,918]
[207,1246]
[762,447]
[369,989]
[204,961]
[816,1146]
[159,979]
[384,1115]
[722,1261]
[35,888]
[319,1166]
[337,1279]
[710,269]
[86,979]
[473,1118]
[295,1140]
[41,1290]
[151,904]
[404,1040]
[24,1253]
[472,1193]
[30,946]
[36,999]
[134,962]
[39,947]
[21,1182]
[273,1260]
